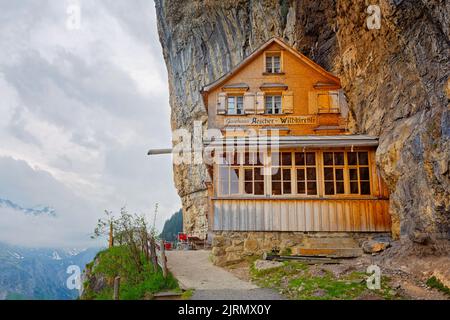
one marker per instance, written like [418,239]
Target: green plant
[434,282]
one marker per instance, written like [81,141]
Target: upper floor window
[328,102]
[273,62]
[235,105]
[273,104]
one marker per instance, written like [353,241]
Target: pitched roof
[257,52]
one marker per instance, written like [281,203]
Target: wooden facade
[299,100]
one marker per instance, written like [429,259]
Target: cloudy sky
[80,104]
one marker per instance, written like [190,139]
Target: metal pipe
[152,152]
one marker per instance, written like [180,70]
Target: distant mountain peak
[39,210]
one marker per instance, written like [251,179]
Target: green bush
[135,284]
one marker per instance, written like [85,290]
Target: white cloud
[83,107]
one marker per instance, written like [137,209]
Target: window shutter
[260,103]
[222,103]
[343,104]
[312,102]
[249,103]
[287,102]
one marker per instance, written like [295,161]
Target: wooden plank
[233,214]
[349,213]
[317,219]
[268,217]
[300,214]
[276,216]
[259,206]
[325,215]
[332,215]
[341,221]
[362,215]
[293,221]
[284,215]
[309,216]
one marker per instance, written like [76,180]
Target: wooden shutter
[260,103]
[249,102]
[312,102]
[287,103]
[343,107]
[222,103]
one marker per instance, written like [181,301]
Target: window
[253,174]
[333,168]
[356,165]
[273,104]
[358,172]
[229,174]
[294,173]
[281,173]
[273,63]
[235,105]
[328,102]
[305,167]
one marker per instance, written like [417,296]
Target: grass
[297,281]
[135,284]
[434,282]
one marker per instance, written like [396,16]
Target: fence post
[153,253]
[116,288]
[163,258]
[111,235]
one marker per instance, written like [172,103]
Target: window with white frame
[273,104]
[273,62]
[235,105]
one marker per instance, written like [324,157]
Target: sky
[83,96]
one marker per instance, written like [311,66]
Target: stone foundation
[229,247]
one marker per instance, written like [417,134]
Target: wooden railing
[157,254]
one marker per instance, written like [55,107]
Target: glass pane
[223,172]
[259,187]
[248,174]
[269,104]
[312,188]
[234,174]
[234,187]
[365,187]
[276,174]
[339,174]
[329,188]
[340,188]
[268,64]
[248,186]
[328,158]
[310,158]
[311,173]
[301,187]
[328,173]
[277,104]
[276,188]
[231,104]
[275,159]
[287,174]
[286,158]
[353,174]
[300,174]
[276,63]
[354,187]
[339,158]
[240,104]
[259,173]
[363,158]
[223,186]
[364,173]
[286,187]
[351,156]
[299,159]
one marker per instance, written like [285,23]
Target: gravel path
[194,270]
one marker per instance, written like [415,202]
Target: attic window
[273,62]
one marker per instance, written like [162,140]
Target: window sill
[273,73]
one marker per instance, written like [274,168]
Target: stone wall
[229,247]
[394,77]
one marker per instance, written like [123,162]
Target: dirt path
[194,270]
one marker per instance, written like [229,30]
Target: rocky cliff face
[395,79]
